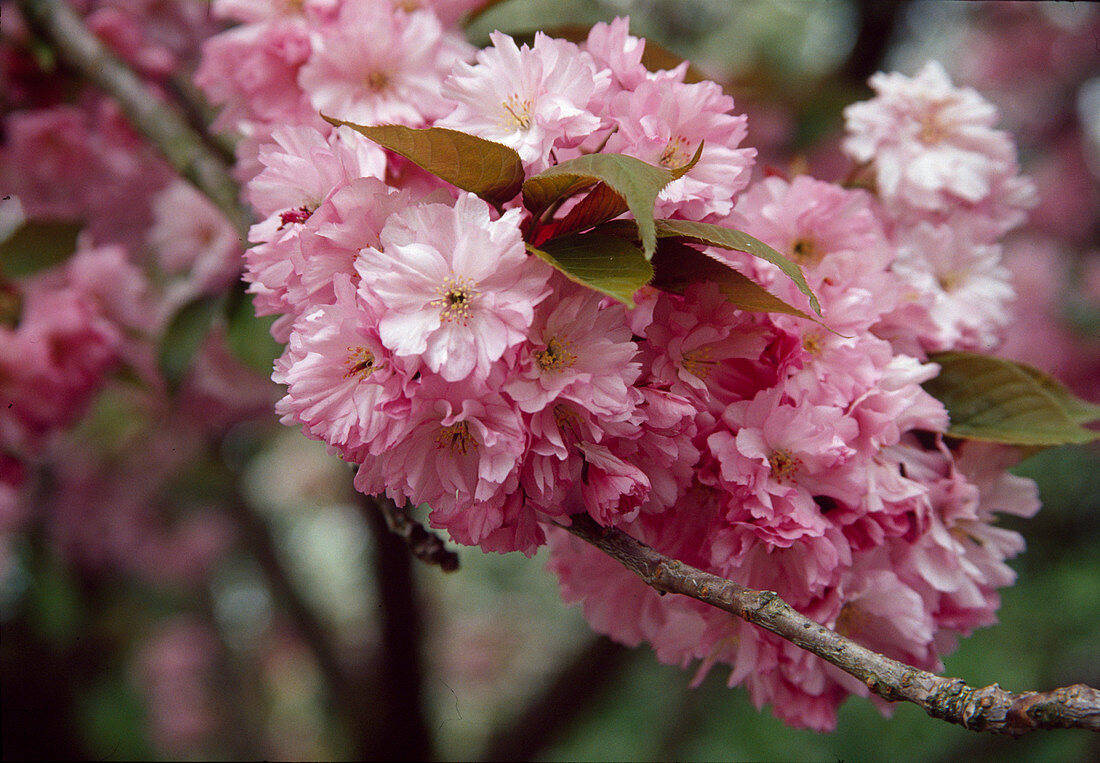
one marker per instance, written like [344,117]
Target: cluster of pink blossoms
[425,345]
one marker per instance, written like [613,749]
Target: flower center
[519,112]
[456,295]
[556,356]
[360,363]
[698,362]
[569,423]
[299,215]
[805,252]
[783,465]
[811,343]
[951,280]
[932,130]
[377,81]
[457,437]
[676,153]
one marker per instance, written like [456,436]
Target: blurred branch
[258,541]
[878,21]
[424,545]
[57,23]
[563,701]
[990,708]
[397,728]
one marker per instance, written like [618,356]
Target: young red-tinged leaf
[998,400]
[37,245]
[599,205]
[491,170]
[635,181]
[678,265]
[727,238]
[608,264]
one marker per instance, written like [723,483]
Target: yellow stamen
[457,437]
[556,356]
[360,363]
[698,362]
[783,465]
[456,295]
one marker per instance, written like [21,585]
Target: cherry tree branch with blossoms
[744,384]
[988,708]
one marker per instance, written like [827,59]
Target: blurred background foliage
[111,666]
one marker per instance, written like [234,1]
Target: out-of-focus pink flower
[932,144]
[194,241]
[176,670]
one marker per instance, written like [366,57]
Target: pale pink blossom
[251,71]
[579,350]
[930,141]
[341,382]
[453,287]
[533,99]
[458,452]
[373,65]
[663,122]
[194,241]
[959,290]
[615,49]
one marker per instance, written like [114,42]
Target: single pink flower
[453,287]
[533,99]
[374,65]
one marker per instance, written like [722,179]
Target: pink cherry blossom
[453,287]
[579,350]
[374,65]
[533,99]
[929,140]
[341,382]
[663,122]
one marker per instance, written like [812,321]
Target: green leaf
[184,336]
[37,245]
[608,264]
[635,181]
[998,400]
[727,238]
[491,170]
[679,265]
[249,338]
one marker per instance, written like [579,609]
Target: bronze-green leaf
[998,400]
[37,245]
[637,182]
[727,238]
[491,170]
[608,264]
[678,265]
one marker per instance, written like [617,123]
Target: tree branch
[989,708]
[422,543]
[56,22]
